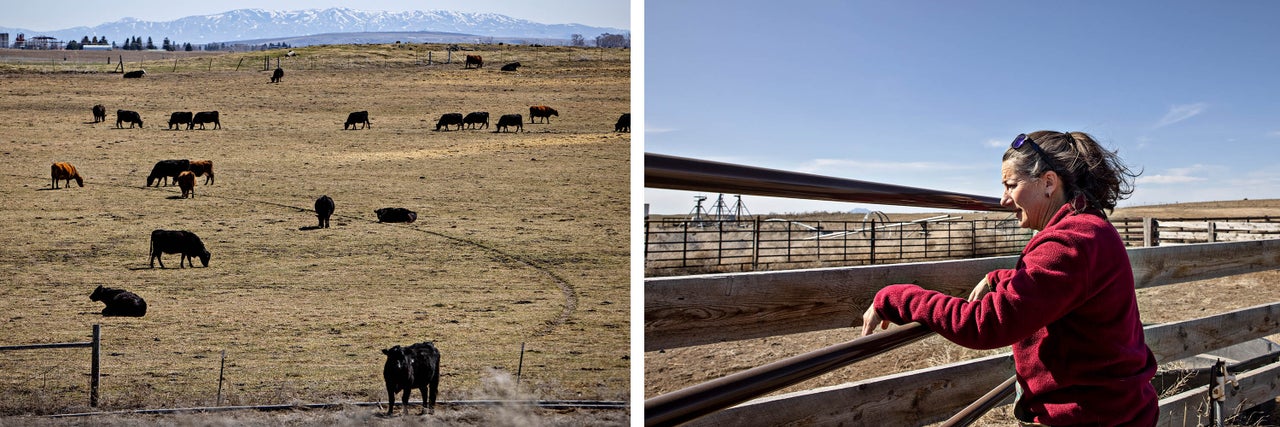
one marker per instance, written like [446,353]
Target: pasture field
[521,238]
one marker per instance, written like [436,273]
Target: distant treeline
[136,43]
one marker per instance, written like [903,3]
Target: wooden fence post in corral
[873,242]
[755,246]
[95,372]
[1150,234]
[1213,231]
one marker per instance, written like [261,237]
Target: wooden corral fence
[1153,232]
[95,346]
[705,309]
[685,247]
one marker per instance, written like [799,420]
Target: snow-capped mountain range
[245,24]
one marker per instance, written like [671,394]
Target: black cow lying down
[396,215]
[119,302]
[416,366]
[178,242]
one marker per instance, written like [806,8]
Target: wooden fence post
[873,242]
[1213,231]
[95,373]
[1150,232]
[755,246]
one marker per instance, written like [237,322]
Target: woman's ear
[1051,182]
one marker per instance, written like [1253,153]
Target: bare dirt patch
[520,237]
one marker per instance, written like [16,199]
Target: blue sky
[929,93]
[36,15]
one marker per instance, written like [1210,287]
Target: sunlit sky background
[48,16]
[929,93]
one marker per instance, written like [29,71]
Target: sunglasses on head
[1024,140]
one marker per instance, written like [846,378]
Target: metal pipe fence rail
[682,247]
[95,346]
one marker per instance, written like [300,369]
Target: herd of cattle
[406,368]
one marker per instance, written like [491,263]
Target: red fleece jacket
[1070,312]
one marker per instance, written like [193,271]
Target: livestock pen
[720,308]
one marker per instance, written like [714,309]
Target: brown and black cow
[474,60]
[187,182]
[99,113]
[542,111]
[203,168]
[63,171]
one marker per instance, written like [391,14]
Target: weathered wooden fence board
[933,394]
[1256,387]
[695,310]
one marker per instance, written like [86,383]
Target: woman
[1068,308]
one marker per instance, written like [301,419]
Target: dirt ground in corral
[675,369]
[521,239]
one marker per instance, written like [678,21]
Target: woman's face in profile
[1030,197]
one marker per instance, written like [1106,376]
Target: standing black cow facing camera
[416,366]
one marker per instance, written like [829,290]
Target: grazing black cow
[205,117]
[624,123]
[179,118]
[474,60]
[135,74]
[277,75]
[416,366]
[511,67]
[396,215]
[324,210]
[178,242]
[128,116]
[542,111]
[357,118]
[119,302]
[449,119]
[165,169]
[510,120]
[476,120]
[99,113]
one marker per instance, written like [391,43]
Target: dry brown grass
[521,238]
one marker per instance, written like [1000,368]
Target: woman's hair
[1090,171]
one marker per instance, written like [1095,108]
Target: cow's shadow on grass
[309,228]
[175,198]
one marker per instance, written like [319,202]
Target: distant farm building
[4,40]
